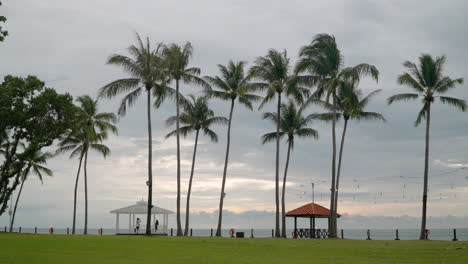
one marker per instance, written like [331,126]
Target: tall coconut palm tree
[293,123]
[145,67]
[195,117]
[96,126]
[427,80]
[74,142]
[322,63]
[274,72]
[176,61]
[233,84]
[350,106]
[91,131]
[34,164]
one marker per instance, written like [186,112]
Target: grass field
[44,249]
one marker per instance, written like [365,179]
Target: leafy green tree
[176,61]
[274,70]
[196,116]
[147,74]
[322,63]
[34,164]
[293,123]
[91,130]
[427,80]
[3,33]
[30,115]
[231,85]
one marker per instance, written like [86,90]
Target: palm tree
[274,70]
[34,163]
[176,61]
[233,84]
[350,106]
[146,74]
[323,62]
[92,129]
[74,142]
[195,117]
[426,80]
[293,123]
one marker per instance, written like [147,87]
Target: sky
[66,44]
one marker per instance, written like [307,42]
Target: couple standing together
[138,222]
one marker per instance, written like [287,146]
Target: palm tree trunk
[16,203]
[226,160]
[75,193]
[187,207]
[340,156]
[277,225]
[150,165]
[283,201]
[179,224]
[86,191]
[332,220]
[426,175]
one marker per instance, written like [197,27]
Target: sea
[358,234]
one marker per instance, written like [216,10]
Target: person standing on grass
[156,226]
[138,221]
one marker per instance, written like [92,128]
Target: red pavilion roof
[310,209]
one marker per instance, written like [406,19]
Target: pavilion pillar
[117,222]
[295,226]
[129,223]
[311,230]
[133,222]
[313,225]
[166,220]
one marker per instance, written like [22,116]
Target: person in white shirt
[138,221]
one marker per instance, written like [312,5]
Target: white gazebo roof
[141,207]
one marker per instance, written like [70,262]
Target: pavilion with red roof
[311,211]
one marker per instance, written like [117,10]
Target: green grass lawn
[44,249]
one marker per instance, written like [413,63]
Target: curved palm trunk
[150,165]
[283,201]
[75,193]
[85,231]
[226,160]
[187,208]
[426,175]
[277,226]
[332,220]
[16,202]
[340,156]
[179,224]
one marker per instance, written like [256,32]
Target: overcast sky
[66,44]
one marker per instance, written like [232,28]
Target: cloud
[67,44]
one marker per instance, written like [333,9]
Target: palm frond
[458,103]
[100,148]
[421,115]
[118,87]
[407,80]
[213,136]
[271,92]
[307,132]
[269,137]
[402,97]
[446,83]
[365,101]
[369,116]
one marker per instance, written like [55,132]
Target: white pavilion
[140,208]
